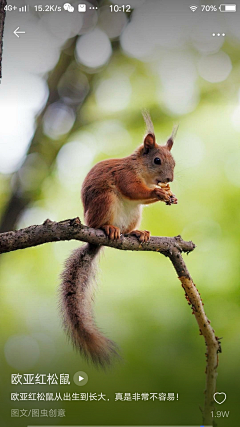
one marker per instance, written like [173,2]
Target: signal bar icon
[24,8]
[193,8]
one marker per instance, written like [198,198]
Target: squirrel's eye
[157,161]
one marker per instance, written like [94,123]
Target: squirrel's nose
[169,179]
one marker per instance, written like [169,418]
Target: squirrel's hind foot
[143,236]
[111,231]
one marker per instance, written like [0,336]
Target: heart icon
[222,398]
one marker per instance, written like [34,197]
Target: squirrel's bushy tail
[77,291]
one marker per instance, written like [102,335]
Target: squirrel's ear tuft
[149,142]
[169,144]
[170,141]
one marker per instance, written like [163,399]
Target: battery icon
[228,7]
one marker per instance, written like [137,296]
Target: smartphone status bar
[84,7]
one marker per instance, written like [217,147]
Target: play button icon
[80,378]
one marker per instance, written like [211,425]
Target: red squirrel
[113,193]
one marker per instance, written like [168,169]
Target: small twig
[171,247]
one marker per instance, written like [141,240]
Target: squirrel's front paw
[162,195]
[111,231]
[173,200]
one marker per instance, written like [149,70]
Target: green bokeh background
[139,303]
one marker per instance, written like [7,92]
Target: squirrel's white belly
[127,214]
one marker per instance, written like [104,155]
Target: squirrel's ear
[149,142]
[170,141]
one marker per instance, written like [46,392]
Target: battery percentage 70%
[209,8]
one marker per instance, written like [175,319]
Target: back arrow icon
[16,32]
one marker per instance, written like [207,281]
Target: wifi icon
[193,8]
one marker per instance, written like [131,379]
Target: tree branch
[212,342]
[3,3]
[172,247]
[73,229]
